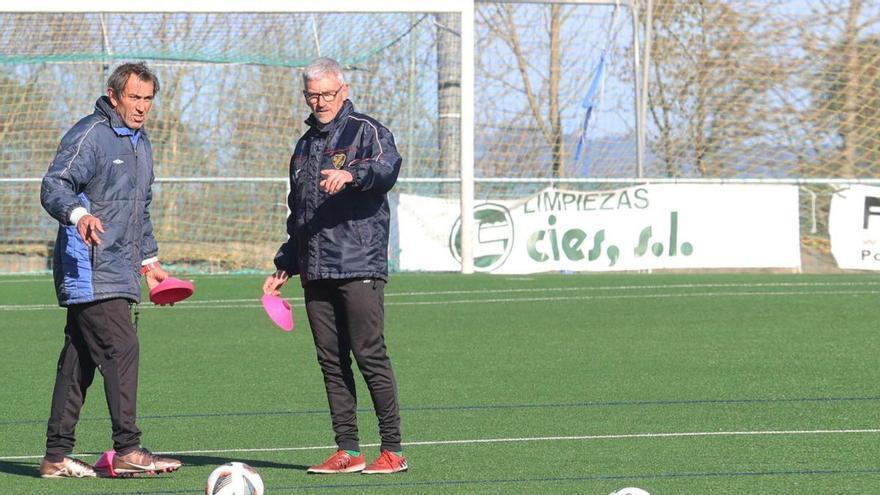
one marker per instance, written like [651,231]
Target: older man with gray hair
[340,173]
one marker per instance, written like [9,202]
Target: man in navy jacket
[98,187]
[340,172]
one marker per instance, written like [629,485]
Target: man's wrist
[149,266]
[76,214]
[355,180]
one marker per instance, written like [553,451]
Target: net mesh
[767,89]
[230,106]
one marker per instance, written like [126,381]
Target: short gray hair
[120,76]
[323,67]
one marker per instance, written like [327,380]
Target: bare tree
[711,80]
[537,86]
[449,92]
[845,83]
[851,88]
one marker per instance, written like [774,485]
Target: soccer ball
[234,478]
[629,491]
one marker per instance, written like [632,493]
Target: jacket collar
[344,112]
[104,108]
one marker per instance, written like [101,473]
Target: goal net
[227,117]
[783,91]
[584,95]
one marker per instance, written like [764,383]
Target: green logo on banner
[493,239]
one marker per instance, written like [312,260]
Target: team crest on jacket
[338,160]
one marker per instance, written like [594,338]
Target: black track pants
[347,318]
[98,335]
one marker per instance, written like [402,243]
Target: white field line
[247,303]
[594,289]
[477,441]
[640,287]
[639,296]
[252,303]
[578,289]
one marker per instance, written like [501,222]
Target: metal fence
[736,89]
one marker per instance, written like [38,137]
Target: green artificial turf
[581,384]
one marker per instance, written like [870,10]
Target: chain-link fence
[230,107]
[777,89]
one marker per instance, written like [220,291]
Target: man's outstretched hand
[274,282]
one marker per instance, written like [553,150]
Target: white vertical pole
[467,137]
[637,88]
[646,65]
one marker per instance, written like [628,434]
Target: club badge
[338,160]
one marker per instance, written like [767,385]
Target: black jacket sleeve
[378,172]
[286,258]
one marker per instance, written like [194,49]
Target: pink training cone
[104,466]
[279,311]
[171,290]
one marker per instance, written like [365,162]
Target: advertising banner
[636,228]
[854,227]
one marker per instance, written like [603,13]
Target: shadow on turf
[201,460]
[28,469]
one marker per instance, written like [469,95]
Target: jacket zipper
[138,216]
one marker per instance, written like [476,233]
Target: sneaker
[66,468]
[387,463]
[340,462]
[141,460]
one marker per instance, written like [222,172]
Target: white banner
[636,228]
[854,227]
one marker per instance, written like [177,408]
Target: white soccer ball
[234,478]
[629,491]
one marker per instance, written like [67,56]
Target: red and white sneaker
[340,462]
[387,463]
